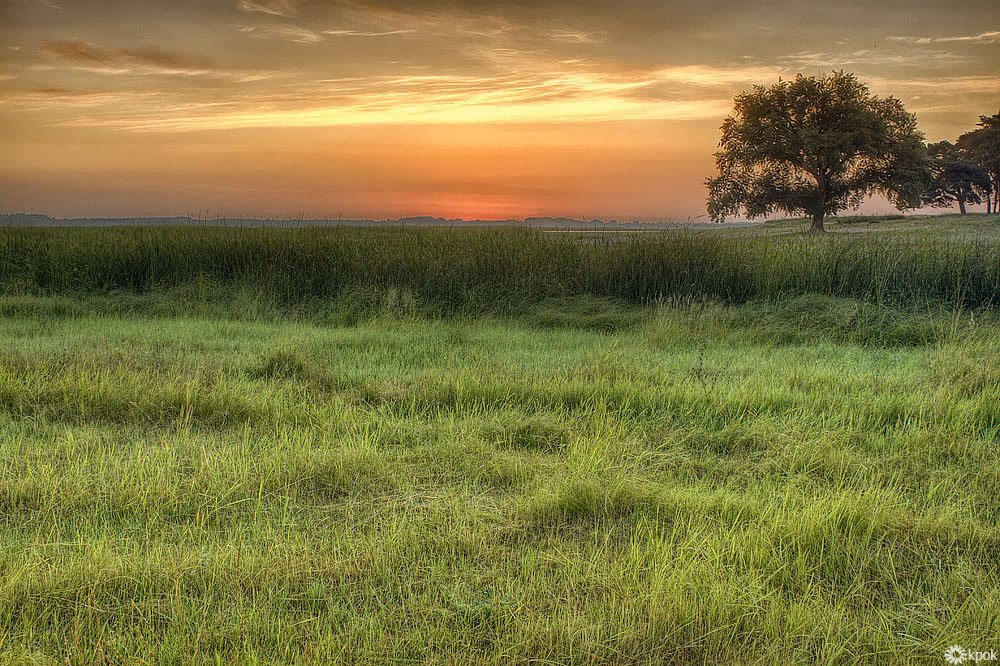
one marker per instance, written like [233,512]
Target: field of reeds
[439,446]
[486,269]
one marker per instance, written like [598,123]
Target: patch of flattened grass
[280,364]
[592,313]
[125,395]
[330,475]
[811,317]
[582,499]
[538,432]
[291,365]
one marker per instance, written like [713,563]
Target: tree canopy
[955,179]
[982,148]
[816,145]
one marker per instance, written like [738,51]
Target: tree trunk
[817,225]
[961,204]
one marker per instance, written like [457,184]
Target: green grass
[947,226]
[499,270]
[207,468]
[708,484]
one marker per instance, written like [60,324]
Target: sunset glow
[380,108]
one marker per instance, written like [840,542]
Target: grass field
[447,270]
[198,465]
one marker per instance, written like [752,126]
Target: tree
[982,146]
[955,179]
[816,146]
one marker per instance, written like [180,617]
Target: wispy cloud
[86,52]
[286,8]
[79,51]
[492,69]
[925,95]
[810,60]
[144,60]
[283,31]
[703,75]
[422,113]
[166,60]
[576,37]
[362,33]
[939,88]
[511,97]
[299,35]
[992,37]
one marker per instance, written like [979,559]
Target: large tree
[955,179]
[982,147]
[816,145]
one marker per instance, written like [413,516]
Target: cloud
[78,51]
[361,33]
[525,91]
[493,61]
[93,54]
[940,87]
[992,37]
[144,60]
[421,114]
[532,94]
[285,8]
[702,75]
[166,60]
[812,60]
[576,37]
[283,31]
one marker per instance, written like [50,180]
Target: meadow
[439,446]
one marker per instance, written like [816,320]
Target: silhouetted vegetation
[816,146]
[981,147]
[955,178]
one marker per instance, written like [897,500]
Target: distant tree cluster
[819,145]
[967,171]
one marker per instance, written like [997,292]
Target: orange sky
[469,108]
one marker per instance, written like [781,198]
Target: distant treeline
[493,269]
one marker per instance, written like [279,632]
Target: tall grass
[474,491]
[496,268]
[792,461]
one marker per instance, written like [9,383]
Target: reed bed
[497,268]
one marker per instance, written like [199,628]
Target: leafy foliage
[816,145]
[982,147]
[955,179]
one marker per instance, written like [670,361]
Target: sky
[461,108]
